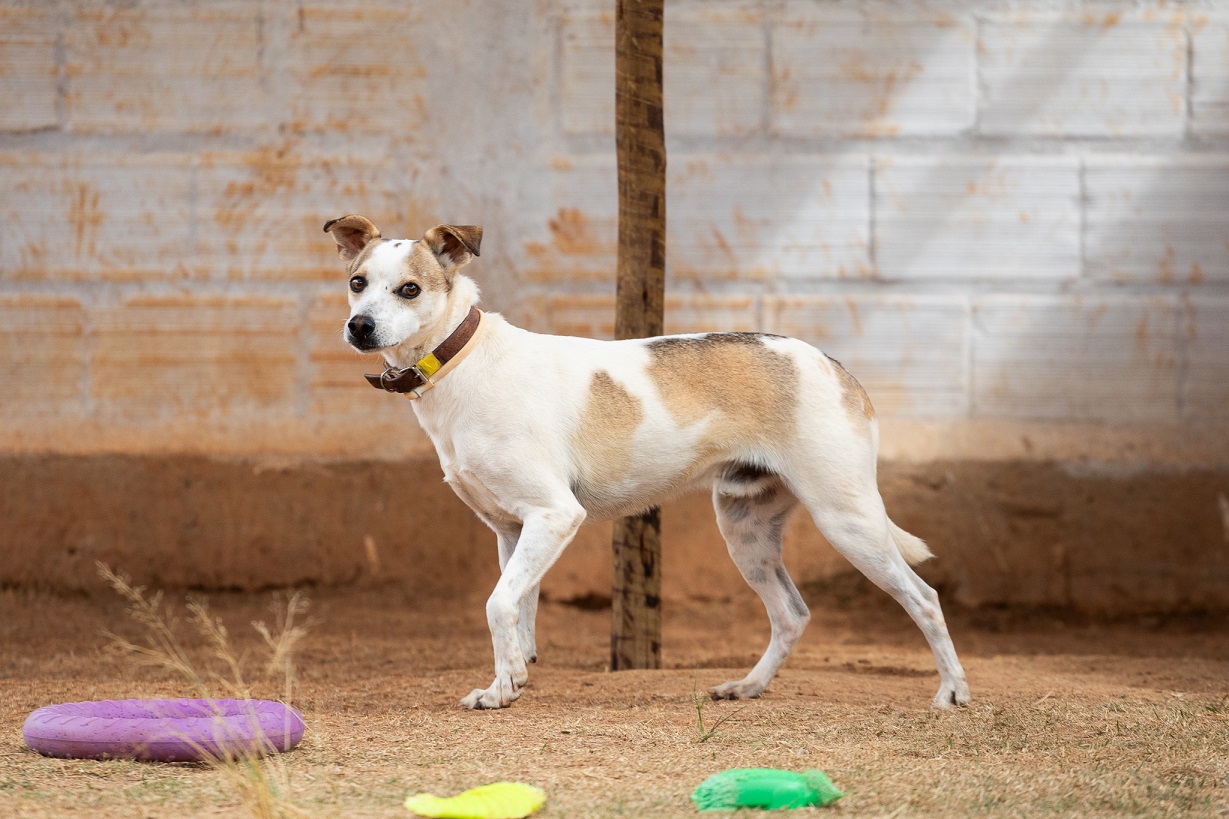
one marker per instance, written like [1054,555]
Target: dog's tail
[912,548]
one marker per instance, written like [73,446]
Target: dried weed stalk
[262,782]
[700,700]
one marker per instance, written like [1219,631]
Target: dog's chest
[478,495]
[465,478]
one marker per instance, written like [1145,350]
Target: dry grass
[262,782]
[1069,718]
[701,700]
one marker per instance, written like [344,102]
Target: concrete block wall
[1003,217]
[1006,218]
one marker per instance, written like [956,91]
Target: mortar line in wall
[261,71]
[61,77]
[872,250]
[303,364]
[948,288]
[1183,314]
[767,10]
[556,77]
[1081,241]
[114,292]
[89,345]
[193,198]
[1189,86]
[978,84]
[58,140]
[970,379]
[1040,147]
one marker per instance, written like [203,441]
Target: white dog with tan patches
[538,434]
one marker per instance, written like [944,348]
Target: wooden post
[635,639]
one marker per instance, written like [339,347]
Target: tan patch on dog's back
[853,397]
[603,440]
[747,391]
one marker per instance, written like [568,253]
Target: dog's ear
[352,233]
[453,245]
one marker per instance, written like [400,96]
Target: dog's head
[399,288]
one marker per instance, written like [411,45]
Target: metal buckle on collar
[388,376]
[421,388]
[391,375]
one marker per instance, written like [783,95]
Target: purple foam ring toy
[177,730]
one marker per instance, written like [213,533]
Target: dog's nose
[361,327]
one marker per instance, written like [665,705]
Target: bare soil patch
[1070,716]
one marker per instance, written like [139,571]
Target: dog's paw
[480,699]
[736,690]
[502,693]
[951,695]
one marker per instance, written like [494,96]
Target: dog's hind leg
[858,527]
[751,514]
[509,534]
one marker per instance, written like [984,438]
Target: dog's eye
[408,290]
[357,284]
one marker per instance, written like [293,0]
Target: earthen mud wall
[1004,532]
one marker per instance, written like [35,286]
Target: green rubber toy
[766,788]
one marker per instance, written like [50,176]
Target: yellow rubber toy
[502,800]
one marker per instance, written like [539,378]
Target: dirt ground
[1070,716]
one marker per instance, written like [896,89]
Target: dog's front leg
[509,535]
[544,534]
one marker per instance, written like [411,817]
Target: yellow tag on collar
[429,365]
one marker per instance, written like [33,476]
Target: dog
[539,433]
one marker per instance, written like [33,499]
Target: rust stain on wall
[748,231]
[884,86]
[117,29]
[1168,273]
[1141,337]
[85,217]
[722,244]
[270,171]
[571,232]
[576,241]
[855,317]
[357,70]
[1096,314]
[33,257]
[195,356]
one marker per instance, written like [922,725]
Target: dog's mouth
[366,345]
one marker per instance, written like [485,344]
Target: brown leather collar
[420,376]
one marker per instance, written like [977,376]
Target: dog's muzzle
[359,330]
